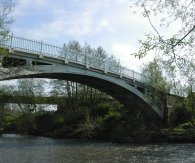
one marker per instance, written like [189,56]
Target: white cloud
[24,6]
[104,23]
[66,22]
[63,27]
[121,1]
[124,51]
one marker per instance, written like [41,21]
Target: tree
[175,49]
[94,57]
[159,86]
[100,53]
[71,50]
[30,89]
[154,76]
[6,7]
[5,93]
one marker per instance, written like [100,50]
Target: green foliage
[4,52]
[174,49]
[25,124]
[102,110]
[187,125]
[105,122]
[178,131]
[155,80]
[9,118]
[6,7]
[48,122]
[181,115]
[111,120]
[183,111]
[174,10]
[154,76]
[86,130]
[29,89]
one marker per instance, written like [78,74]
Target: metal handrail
[39,47]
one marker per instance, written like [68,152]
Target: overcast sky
[107,23]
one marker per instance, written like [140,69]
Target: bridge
[40,60]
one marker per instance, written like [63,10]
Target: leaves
[177,50]
[6,7]
[155,78]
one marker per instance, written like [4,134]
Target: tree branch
[183,37]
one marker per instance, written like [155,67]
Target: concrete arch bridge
[37,59]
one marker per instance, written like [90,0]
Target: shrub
[187,125]
[25,124]
[48,122]
[180,115]
[86,130]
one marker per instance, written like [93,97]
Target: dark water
[25,149]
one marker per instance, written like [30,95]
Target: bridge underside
[128,98]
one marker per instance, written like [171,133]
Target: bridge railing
[39,47]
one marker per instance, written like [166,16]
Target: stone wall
[171,101]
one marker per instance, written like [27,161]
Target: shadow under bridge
[122,90]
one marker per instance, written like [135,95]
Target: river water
[25,149]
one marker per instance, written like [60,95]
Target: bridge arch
[118,88]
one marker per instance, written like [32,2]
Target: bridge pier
[170,103]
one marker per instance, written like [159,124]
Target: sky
[111,24]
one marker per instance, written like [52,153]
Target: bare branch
[178,42]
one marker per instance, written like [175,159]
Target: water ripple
[23,149]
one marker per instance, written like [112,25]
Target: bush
[25,124]
[187,125]
[86,130]
[180,115]
[102,109]
[48,122]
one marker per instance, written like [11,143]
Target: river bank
[166,135]
[113,127]
[174,135]
[163,136]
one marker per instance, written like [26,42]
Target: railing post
[86,60]
[65,53]
[105,68]
[11,39]
[41,47]
[76,56]
[118,67]
[66,57]
[120,71]
[40,50]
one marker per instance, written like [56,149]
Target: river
[28,149]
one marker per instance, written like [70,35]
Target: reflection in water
[25,149]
